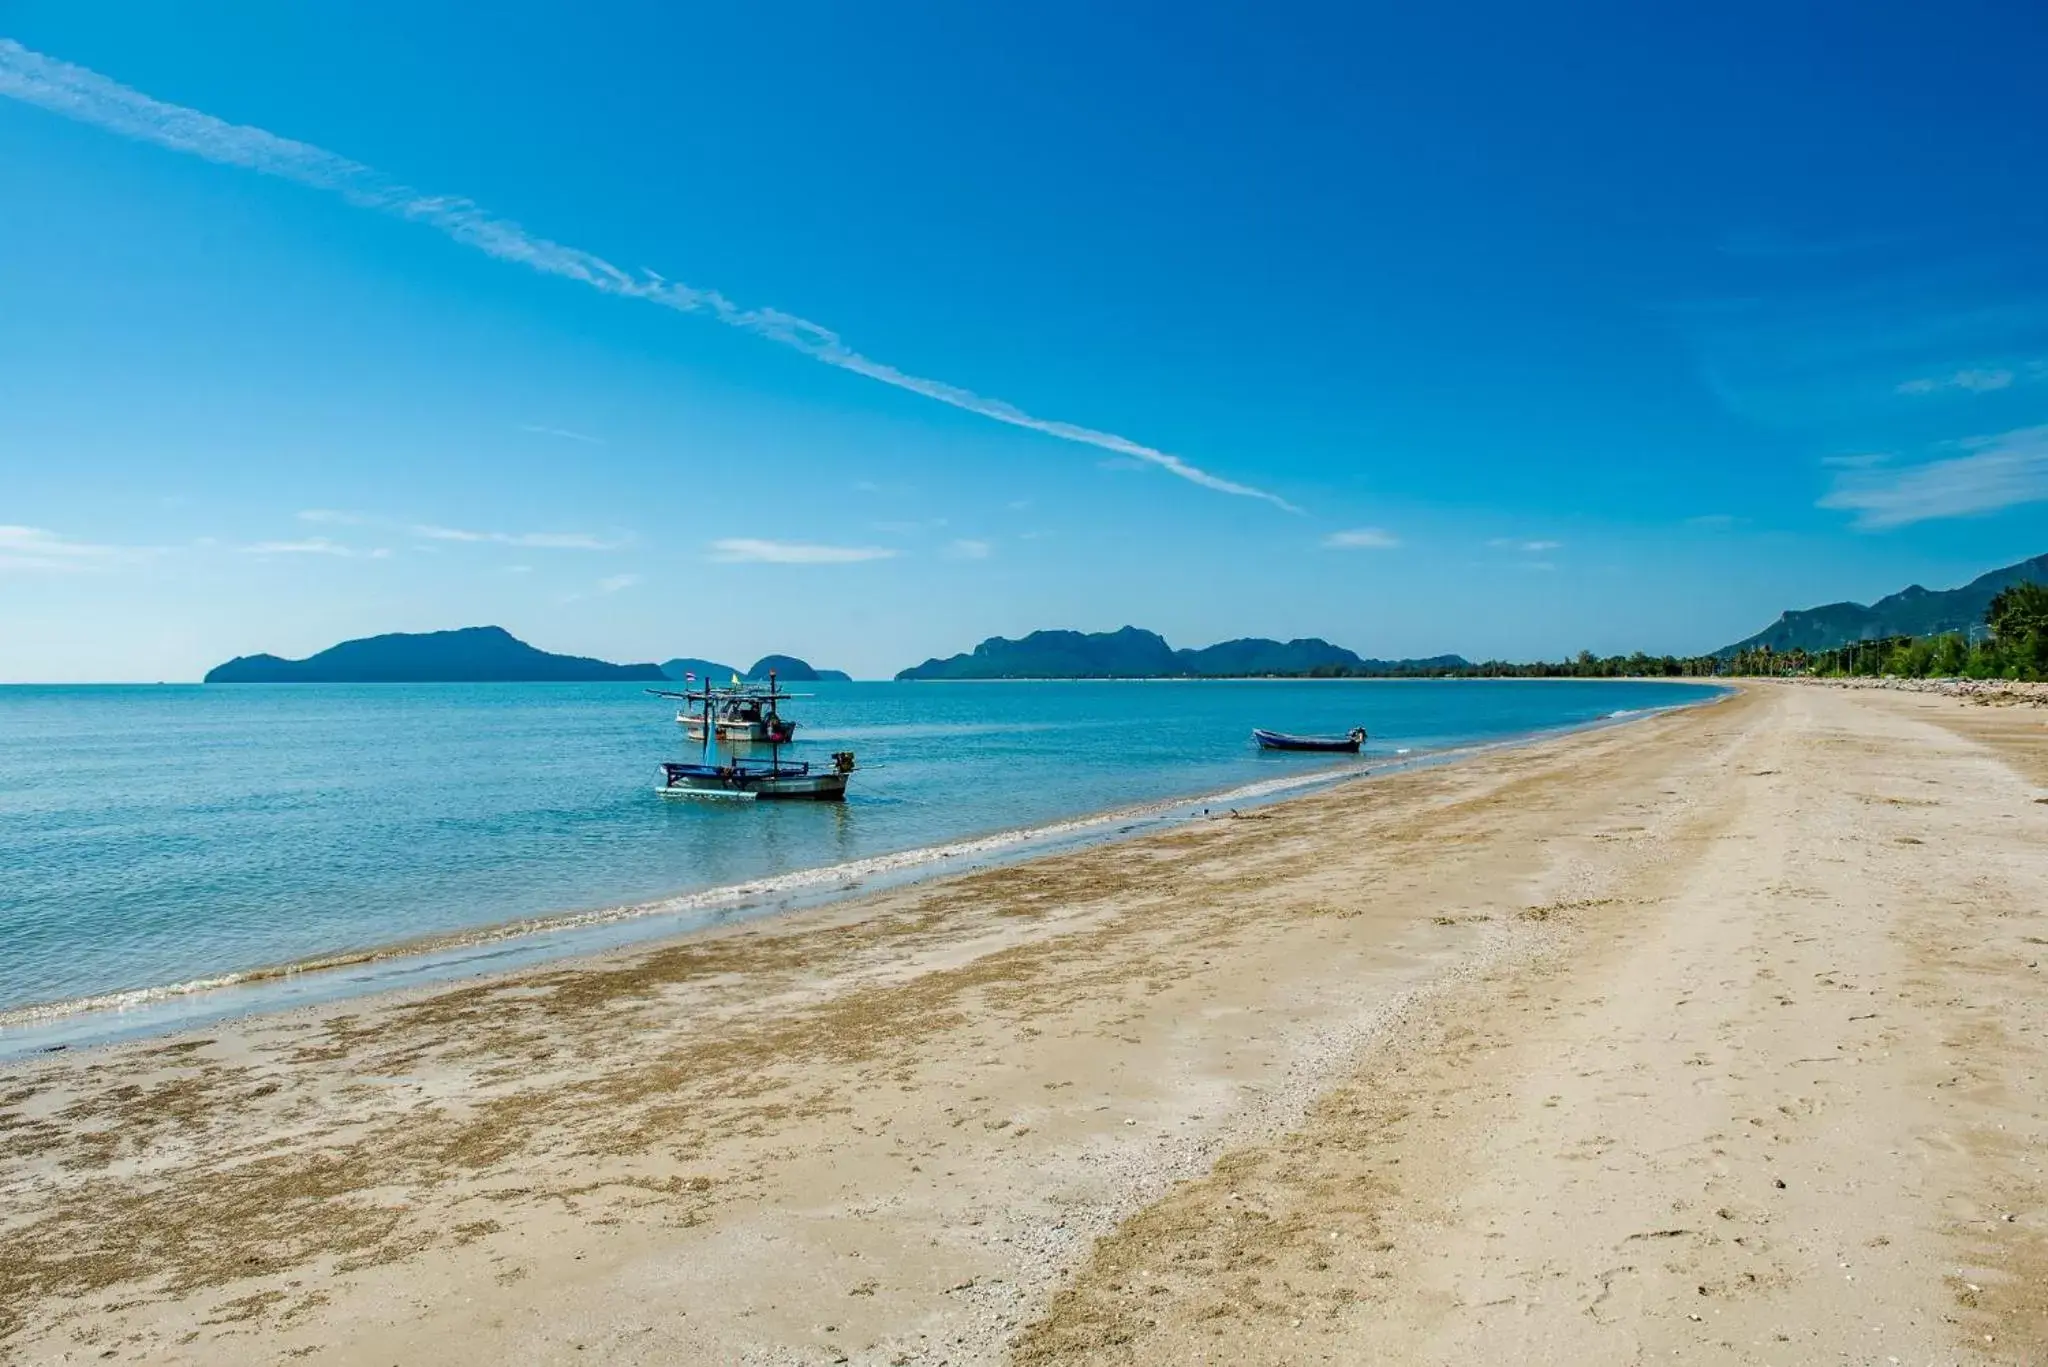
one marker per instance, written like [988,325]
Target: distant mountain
[789,669]
[1254,656]
[470,655]
[1132,653]
[1428,664]
[1913,611]
[1126,654]
[703,669]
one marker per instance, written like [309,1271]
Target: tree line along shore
[2012,644]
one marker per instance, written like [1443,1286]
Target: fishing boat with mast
[714,776]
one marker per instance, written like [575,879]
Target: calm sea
[156,837]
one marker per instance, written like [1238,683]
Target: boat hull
[728,782]
[1280,740]
[809,788]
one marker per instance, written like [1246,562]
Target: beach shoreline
[1262,1090]
[423,963]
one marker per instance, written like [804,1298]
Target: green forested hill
[1912,611]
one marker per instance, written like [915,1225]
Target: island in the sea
[787,668]
[790,669]
[467,655]
[692,667]
[1133,653]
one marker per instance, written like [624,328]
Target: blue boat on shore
[1349,743]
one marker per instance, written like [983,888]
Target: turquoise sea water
[158,836]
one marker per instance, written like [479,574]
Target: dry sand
[1720,1037]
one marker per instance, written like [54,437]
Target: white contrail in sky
[91,98]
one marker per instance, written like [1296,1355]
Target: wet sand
[1722,1035]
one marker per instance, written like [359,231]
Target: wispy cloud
[968,548]
[738,550]
[427,531]
[37,549]
[1509,543]
[1993,472]
[88,97]
[1970,381]
[547,541]
[316,545]
[564,433]
[1361,539]
[1833,353]
[1860,461]
[616,582]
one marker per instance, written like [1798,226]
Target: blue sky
[866,332]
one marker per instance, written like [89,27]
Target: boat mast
[705,756]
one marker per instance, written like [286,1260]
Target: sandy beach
[1721,1036]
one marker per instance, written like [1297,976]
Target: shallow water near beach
[157,837]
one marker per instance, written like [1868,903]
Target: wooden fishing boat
[757,780]
[1280,740]
[741,778]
